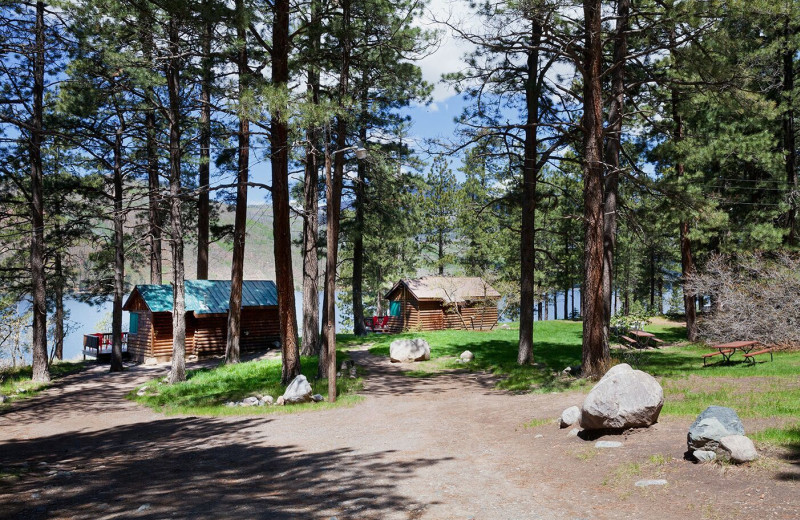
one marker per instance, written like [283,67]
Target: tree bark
[151,151]
[232,349]
[41,372]
[613,147]
[311,340]
[529,177]
[358,227]
[178,370]
[595,347]
[204,178]
[687,260]
[59,297]
[279,142]
[119,257]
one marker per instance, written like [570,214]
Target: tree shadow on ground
[193,468]
[792,456]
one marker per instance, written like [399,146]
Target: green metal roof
[210,296]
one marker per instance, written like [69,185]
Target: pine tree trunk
[311,339]
[323,350]
[119,257]
[530,170]
[59,297]
[232,347]
[204,178]
[539,310]
[546,306]
[613,147]
[279,141]
[595,347]
[151,151]
[41,372]
[358,228]
[178,370]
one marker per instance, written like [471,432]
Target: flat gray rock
[651,482]
[574,432]
[607,444]
[704,455]
[714,423]
[623,398]
[739,448]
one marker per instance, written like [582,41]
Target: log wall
[430,314]
[139,343]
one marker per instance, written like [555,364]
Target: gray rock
[407,350]
[268,399]
[570,416]
[353,372]
[704,456]
[714,423]
[651,482]
[538,436]
[298,391]
[317,398]
[623,398]
[739,448]
[574,432]
[347,364]
[280,401]
[230,404]
[141,392]
[143,507]
[3,398]
[21,390]
[607,444]
[466,356]
[250,401]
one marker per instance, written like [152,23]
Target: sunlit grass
[14,380]
[207,390]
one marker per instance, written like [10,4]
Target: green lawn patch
[206,390]
[16,383]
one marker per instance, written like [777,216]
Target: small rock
[250,401]
[574,432]
[141,392]
[21,390]
[268,399]
[280,401]
[143,507]
[353,373]
[466,356]
[317,398]
[35,495]
[42,464]
[3,398]
[653,482]
[230,404]
[607,444]
[739,448]
[538,436]
[259,397]
[570,416]
[704,455]
[298,391]
[347,364]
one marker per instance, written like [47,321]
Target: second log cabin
[150,308]
[442,302]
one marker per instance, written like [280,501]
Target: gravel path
[443,447]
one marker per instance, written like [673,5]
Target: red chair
[382,326]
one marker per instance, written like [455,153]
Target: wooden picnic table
[642,338]
[726,350]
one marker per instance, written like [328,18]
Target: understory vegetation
[206,390]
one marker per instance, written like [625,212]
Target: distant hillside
[259,261]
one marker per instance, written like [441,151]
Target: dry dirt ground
[446,447]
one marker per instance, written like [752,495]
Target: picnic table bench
[726,350]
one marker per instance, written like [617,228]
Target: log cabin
[441,302]
[150,308]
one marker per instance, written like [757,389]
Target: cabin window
[394,308]
[134,326]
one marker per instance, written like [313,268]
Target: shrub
[754,296]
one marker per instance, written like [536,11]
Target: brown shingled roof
[448,288]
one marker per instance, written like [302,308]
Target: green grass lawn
[206,390]
[764,390]
[14,380]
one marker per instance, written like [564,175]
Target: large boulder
[714,423]
[298,391]
[405,350]
[623,398]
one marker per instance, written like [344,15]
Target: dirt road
[446,447]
